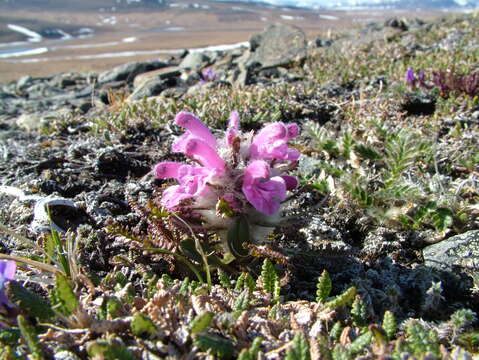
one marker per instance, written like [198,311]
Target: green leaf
[245,280]
[360,343]
[243,301]
[63,297]
[29,302]
[167,280]
[60,253]
[9,336]
[367,152]
[185,286]
[389,324]
[188,247]
[359,312]
[341,353]
[102,349]
[442,218]
[110,308]
[252,352]
[219,346]
[238,234]
[224,279]
[336,330]
[268,276]
[421,340]
[201,322]
[324,287]
[276,290]
[30,336]
[345,299]
[142,325]
[300,348]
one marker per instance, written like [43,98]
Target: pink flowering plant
[236,185]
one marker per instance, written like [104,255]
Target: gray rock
[194,61]
[458,252]
[151,88]
[165,73]
[24,81]
[278,45]
[34,121]
[129,70]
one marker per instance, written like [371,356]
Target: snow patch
[328,17]
[130,39]
[32,35]
[22,52]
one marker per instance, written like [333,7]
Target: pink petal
[234,121]
[173,196]
[292,155]
[263,193]
[255,170]
[195,127]
[290,181]
[167,169]
[293,130]
[180,143]
[270,133]
[204,154]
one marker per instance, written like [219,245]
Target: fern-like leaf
[300,348]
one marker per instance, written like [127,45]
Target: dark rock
[395,23]
[278,45]
[84,107]
[419,104]
[128,71]
[458,252]
[112,163]
[151,88]
[323,43]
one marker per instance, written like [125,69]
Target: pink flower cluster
[239,174]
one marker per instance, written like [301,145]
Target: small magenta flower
[239,175]
[7,273]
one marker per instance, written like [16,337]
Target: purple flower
[7,273]
[271,143]
[239,174]
[410,77]
[263,191]
[208,75]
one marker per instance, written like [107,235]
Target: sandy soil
[154,30]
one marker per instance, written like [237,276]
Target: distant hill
[398,4]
